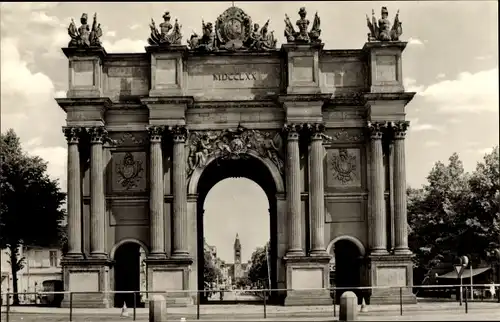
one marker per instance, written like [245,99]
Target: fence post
[135,303]
[70,306]
[8,307]
[401,301]
[334,302]
[466,301]
[265,310]
[198,295]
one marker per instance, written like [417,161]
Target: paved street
[422,311]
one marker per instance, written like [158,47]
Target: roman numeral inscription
[234,76]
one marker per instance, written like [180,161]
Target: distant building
[41,264]
[237,269]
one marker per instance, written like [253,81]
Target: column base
[86,277]
[402,251]
[393,274]
[170,275]
[307,280]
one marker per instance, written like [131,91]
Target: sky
[451,61]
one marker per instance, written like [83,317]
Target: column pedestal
[84,277]
[171,276]
[307,280]
[392,273]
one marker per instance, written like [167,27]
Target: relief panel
[302,69]
[338,74]
[129,139]
[166,72]
[129,172]
[386,68]
[391,276]
[344,211]
[126,214]
[343,168]
[127,81]
[83,73]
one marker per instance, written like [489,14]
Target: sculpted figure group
[233,144]
[234,30]
[381,30]
[84,36]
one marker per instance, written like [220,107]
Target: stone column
[293,191]
[156,225]
[180,218]
[97,200]
[400,219]
[74,192]
[379,246]
[317,191]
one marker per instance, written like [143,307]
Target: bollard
[348,307]
[157,308]
[400,301]
[198,296]
[466,301]
[70,306]
[135,305]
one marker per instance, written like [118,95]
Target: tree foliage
[211,273]
[456,213]
[30,209]
[258,274]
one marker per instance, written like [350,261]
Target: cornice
[64,103]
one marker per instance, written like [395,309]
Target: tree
[258,273]
[211,273]
[30,211]
[455,214]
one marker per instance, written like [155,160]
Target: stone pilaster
[180,218]
[74,193]
[317,190]
[156,192]
[293,190]
[399,129]
[379,245]
[97,201]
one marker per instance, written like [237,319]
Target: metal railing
[462,292]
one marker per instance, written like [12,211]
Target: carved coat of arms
[233,28]
[129,171]
[344,166]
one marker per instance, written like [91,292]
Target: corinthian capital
[292,130]
[376,129]
[155,133]
[316,130]
[179,133]
[72,134]
[399,129]
[98,134]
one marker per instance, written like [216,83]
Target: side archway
[354,240]
[129,271]
[125,241]
[346,266]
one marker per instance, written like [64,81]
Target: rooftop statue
[84,36]
[381,30]
[233,30]
[303,36]
[165,36]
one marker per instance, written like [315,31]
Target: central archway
[245,166]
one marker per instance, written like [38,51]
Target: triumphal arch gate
[321,131]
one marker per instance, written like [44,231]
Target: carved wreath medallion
[344,166]
[129,171]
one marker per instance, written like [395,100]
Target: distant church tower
[237,250]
